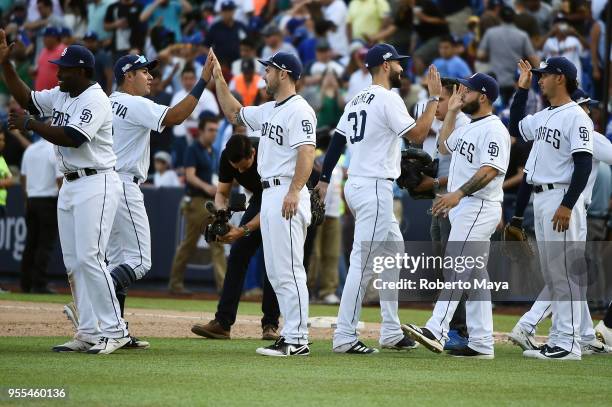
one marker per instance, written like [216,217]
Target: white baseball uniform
[557,134]
[284,126]
[541,309]
[483,142]
[87,205]
[373,123]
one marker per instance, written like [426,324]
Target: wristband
[198,89]
[246,230]
[434,99]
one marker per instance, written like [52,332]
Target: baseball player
[480,157]
[285,158]
[523,334]
[372,126]
[81,130]
[134,116]
[558,167]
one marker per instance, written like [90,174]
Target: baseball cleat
[108,345]
[269,333]
[280,348]
[595,347]
[211,330]
[455,340]
[424,337]
[358,348]
[75,345]
[525,340]
[603,333]
[403,344]
[467,352]
[72,314]
[531,353]
[556,353]
[136,343]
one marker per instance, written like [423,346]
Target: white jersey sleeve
[343,125]
[397,116]
[251,116]
[301,127]
[526,127]
[149,114]
[580,133]
[495,151]
[43,100]
[602,148]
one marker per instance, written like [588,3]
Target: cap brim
[399,58]
[540,71]
[264,62]
[59,62]
[149,65]
[466,83]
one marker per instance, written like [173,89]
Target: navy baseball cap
[90,35]
[75,56]
[557,66]
[380,53]
[581,97]
[128,63]
[51,32]
[483,83]
[285,62]
[228,5]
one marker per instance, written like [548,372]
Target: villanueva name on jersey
[551,136]
[365,97]
[119,109]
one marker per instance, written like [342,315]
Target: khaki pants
[325,258]
[196,219]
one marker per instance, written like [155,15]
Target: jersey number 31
[358,128]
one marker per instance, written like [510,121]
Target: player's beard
[395,79]
[471,107]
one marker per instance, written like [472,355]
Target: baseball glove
[514,232]
[416,163]
[317,208]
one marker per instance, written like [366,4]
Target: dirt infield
[18,318]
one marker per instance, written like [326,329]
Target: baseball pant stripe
[569,286]
[367,257]
[99,254]
[462,247]
[297,289]
[133,225]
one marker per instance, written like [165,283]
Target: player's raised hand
[455,102]
[207,71]
[434,85]
[524,81]
[5,49]
[216,66]
[561,219]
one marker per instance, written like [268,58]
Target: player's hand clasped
[231,236]
[561,219]
[17,120]
[290,204]
[445,203]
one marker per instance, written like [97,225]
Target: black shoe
[284,349]
[404,344]
[359,348]
[468,352]
[424,337]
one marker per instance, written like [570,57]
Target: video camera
[220,222]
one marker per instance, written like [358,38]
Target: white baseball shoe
[525,340]
[603,333]
[550,353]
[595,347]
[108,345]
[72,314]
[74,345]
[424,337]
[280,348]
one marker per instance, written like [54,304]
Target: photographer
[239,163]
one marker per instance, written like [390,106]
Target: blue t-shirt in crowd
[454,67]
[204,161]
[171,17]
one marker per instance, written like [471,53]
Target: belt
[272,182]
[85,172]
[547,187]
[129,178]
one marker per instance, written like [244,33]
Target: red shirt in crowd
[46,75]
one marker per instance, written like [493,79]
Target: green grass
[197,372]
[501,323]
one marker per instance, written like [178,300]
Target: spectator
[332,101]
[564,42]
[34,13]
[46,72]
[22,66]
[503,59]
[247,51]
[430,28]
[225,35]
[450,64]
[248,83]
[274,42]
[597,45]
[123,20]
[360,77]
[200,162]
[164,175]
[184,132]
[6,178]
[103,70]
[324,62]
[75,17]
[336,12]
[456,14]
[542,12]
[399,32]
[40,179]
[47,19]
[244,10]
[96,14]
[168,12]
[366,17]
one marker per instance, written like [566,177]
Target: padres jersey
[284,127]
[90,114]
[373,123]
[602,151]
[485,141]
[133,119]
[557,133]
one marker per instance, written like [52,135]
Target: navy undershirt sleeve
[583,163]
[334,151]
[76,136]
[522,197]
[517,112]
